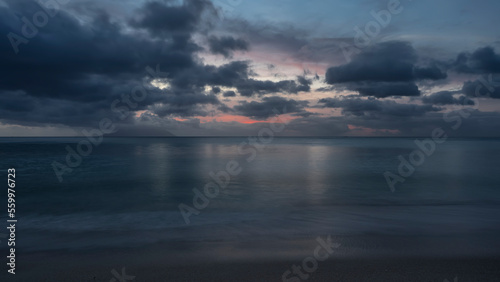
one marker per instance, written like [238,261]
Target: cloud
[72,71]
[447,98]
[385,89]
[250,87]
[429,72]
[483,60]
[163,20]
[216,90]
[389,62]
[237,74]
[264,110]
[477,88]
[226,45]
[383,70]
[87,56]
[82,61]
[229,94]
[478,124]
[372,108]
[168,110]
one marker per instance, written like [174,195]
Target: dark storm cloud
[68,60]
[383,70]
[483,60]
[327,89]
[304,114]
[184,104]
[224,108]
[229,94]
[385,89]
[188,99]
[237,74]
[178,110]
[225,45]
[250,87]
[373,108]
[72,70]
[477,88]
[447,98]
[302,80]
[216,90]
[389,61]
[167,20]
[228,75]
[81,61]
[263,110]
[16,101]
[429,72]
[33,111]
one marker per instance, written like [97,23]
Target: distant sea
[126,194]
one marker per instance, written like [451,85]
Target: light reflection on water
[295,188]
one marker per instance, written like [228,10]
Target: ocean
[126,193]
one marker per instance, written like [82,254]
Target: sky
[233,67]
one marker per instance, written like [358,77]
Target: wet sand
[158,265]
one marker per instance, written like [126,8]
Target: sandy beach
[67,268]
[223,261]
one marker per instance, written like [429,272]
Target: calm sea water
[126,193]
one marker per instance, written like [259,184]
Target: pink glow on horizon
[242,119]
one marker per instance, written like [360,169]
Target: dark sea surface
[126,194]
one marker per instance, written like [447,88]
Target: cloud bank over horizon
[225,68]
